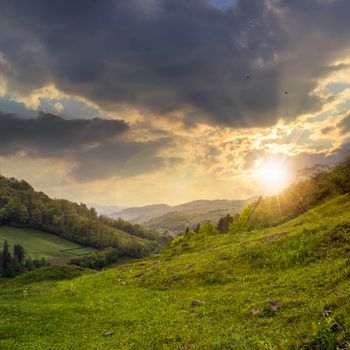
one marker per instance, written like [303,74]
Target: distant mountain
[176,218]
[205,204]
[140,215]
[106,209]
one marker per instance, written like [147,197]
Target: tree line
[136,229]
[21,206]
[97,260]
[13,264]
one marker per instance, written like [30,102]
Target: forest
[22,206]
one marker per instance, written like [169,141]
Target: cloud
[345,124]
[9,105]
[230,66]
[99,148]
[123,159]
[200,84]
[223,4]
[52,135]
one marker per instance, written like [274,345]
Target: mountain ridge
[175,218]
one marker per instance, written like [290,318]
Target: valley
[286,286]
[175,219]
[174,175]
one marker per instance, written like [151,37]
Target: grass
[303,266]
[39,244]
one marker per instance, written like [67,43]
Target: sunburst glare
[273,176]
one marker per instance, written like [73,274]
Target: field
[282,288]
[39,244]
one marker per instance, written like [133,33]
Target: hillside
[175,219]
[142,214]
[23,207]
[43,245]
[285,287]
[105,209]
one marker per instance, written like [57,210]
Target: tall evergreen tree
[6,261]
[19,253]
[6,258]
[224,223]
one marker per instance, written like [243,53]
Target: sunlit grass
[302,264]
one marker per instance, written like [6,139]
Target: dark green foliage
[135,229]
[324,339]
[224,223]
[21,206]
[16,264]
[340,176]
[15,213]
[19,253]
[330,334]
[6,261]
[97,260]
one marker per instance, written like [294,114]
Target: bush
[13,265]
[97,260]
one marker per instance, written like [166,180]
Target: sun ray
[273,176]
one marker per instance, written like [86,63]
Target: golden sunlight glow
[273,175]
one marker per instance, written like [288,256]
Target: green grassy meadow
[205,292]
[39,244]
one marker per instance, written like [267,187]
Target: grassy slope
[303,264]
[39,244]
[47,245]
[125,237]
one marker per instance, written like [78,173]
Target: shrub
[97,260]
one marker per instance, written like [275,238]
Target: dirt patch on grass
[55,262]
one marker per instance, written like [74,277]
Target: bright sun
[273,176]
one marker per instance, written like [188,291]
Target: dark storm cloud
[125,159]
[96,146]
[50,134]
[232,65]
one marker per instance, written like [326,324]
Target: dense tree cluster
[136,229]
[21,206]
[97,260]
[16,263]
[224,223]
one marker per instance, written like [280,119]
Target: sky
[134,102]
